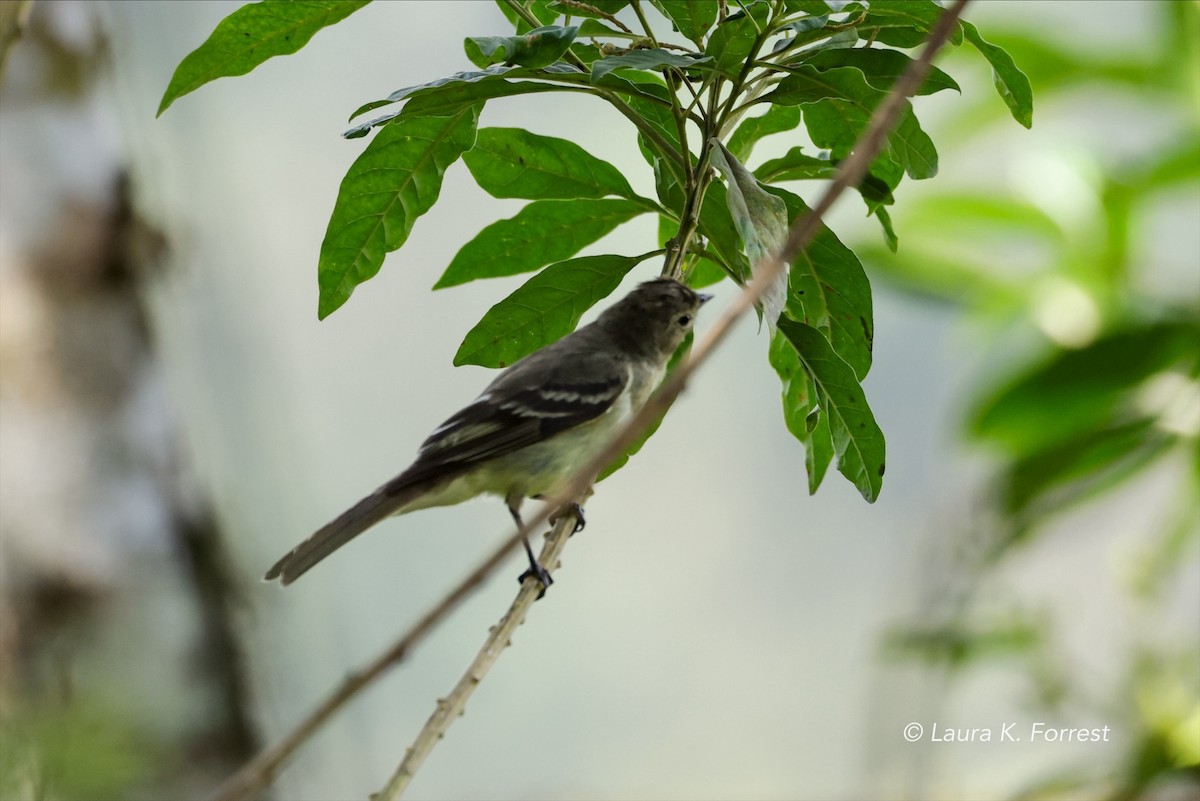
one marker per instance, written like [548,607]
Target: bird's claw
[576,511]
[541,574]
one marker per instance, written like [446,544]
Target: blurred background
[173,418]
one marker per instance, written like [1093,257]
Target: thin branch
[257,774]
[637,9]
[581,6]
[850,173]
[499,637]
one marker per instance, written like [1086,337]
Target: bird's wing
[525,405]
[538,397]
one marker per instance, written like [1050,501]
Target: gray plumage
[535,425]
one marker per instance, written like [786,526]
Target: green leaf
[881,67]
[813,41]
[647,95]
[447,96]
[799,402]
[777,119]
[1073,391]
[817,7]
[903,23]
[818,453]
[543,232]
[594,27]
[250,36]
[395,180]
[1081,466]
[796,165]
[692,18]
[704,273]
[512,162]
[811,22]
[828,289]
[645,59]
[540,47]
[734,38]
[544,309]
[889,233]
[858,443]
[926,271]
[809,30]
[492,73]
[1011,83]
[974,215]
[839,103]
[716,225]
[761,221]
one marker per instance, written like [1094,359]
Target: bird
[533,427]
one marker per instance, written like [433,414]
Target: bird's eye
[685,319]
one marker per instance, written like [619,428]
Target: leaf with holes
[858,443]
[799,406]
[828,289]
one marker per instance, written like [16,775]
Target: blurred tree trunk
[120,666]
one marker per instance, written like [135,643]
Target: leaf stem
[637,9]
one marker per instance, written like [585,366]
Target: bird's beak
[704,298]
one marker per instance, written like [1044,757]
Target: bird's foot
[576,511]
[535,570]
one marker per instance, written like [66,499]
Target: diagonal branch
[258,773]
[850,173]
[499,637]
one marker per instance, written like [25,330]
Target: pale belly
[545,468]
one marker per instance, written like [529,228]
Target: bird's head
[653,319]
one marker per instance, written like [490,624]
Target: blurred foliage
[85,749]
[1092,377]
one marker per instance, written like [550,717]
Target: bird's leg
[535,568]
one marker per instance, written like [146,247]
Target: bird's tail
[348,525]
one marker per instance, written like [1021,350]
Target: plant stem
[499,637]
[637,9]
